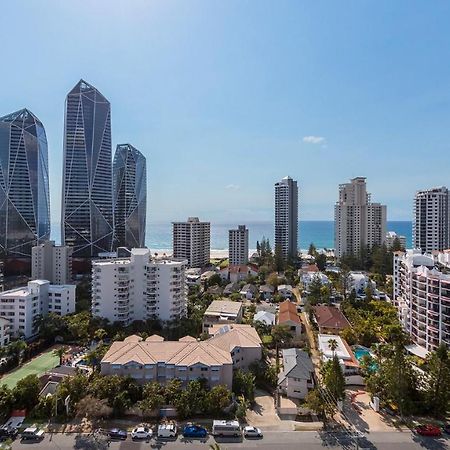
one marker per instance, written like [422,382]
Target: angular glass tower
[24,190]
[130,197]
[87,211]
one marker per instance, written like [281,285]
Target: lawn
[38,366]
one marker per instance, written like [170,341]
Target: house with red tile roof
[330,320]
[289,317]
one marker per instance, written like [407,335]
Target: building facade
[422,298]
[24,185]
[286,218]
[130,197]
[391,237]
[358,223]
[139,288]
[51,262]
[22,306]
[87,209]
[238,246]
[5,330]
[431,220]
[192,241]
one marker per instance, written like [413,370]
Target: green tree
[241,409]
[192,399]
[6,401]
[244,384]
[26,392]
[173,390]
[280,263]
[316,401]
[78,326]
[218,398]
[333,378]
[437,381]
[152,398]
[315,290]
[76,386]
[321,261]
[215,280]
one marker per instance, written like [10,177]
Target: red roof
[242,268]
[312,268]
[288,312]
[330,317]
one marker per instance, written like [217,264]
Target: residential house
[265,317]
[288,317]
[347,360]
[330,320]
[215,290]
[222,312]
[231,288]
[266,292]
[285,290]
[249,292]
[237,273]
[297,377]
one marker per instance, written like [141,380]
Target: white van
[226,428]
[167,430]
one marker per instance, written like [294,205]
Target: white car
[252,432]
[141,433]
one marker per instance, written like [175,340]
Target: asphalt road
[288,440]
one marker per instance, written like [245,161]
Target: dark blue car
[194,431]
[117,433]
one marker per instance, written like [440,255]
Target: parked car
[8,433]
[32,434]
[447,428]
[117,433]
[250,432]
[141,433]
[167,430]
[428,430]
[194,431]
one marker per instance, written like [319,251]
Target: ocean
[319,232]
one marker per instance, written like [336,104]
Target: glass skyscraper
[130,197]
[87,210]
[24,189]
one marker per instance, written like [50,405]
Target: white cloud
[314,140]
[232,187]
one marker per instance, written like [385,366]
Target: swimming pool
[359,351]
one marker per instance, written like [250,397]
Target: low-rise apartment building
[139,287]
[155,359]
[222,312]
[21,306]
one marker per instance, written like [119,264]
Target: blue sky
[226,97]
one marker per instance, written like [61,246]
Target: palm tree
[100,334]
[332,345]
[60,352]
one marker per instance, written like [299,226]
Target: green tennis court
[38,366]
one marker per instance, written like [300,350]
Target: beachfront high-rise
[87,210]
[24,186]
[130,197]
[358,223]
[192,241]
[238,246]
[431,219]
[286,218]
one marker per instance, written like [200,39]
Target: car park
[8,433]
[428,430]
[194,431]
[252,432]
[141,432]
[32,434]
[167,430]
[117,433]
